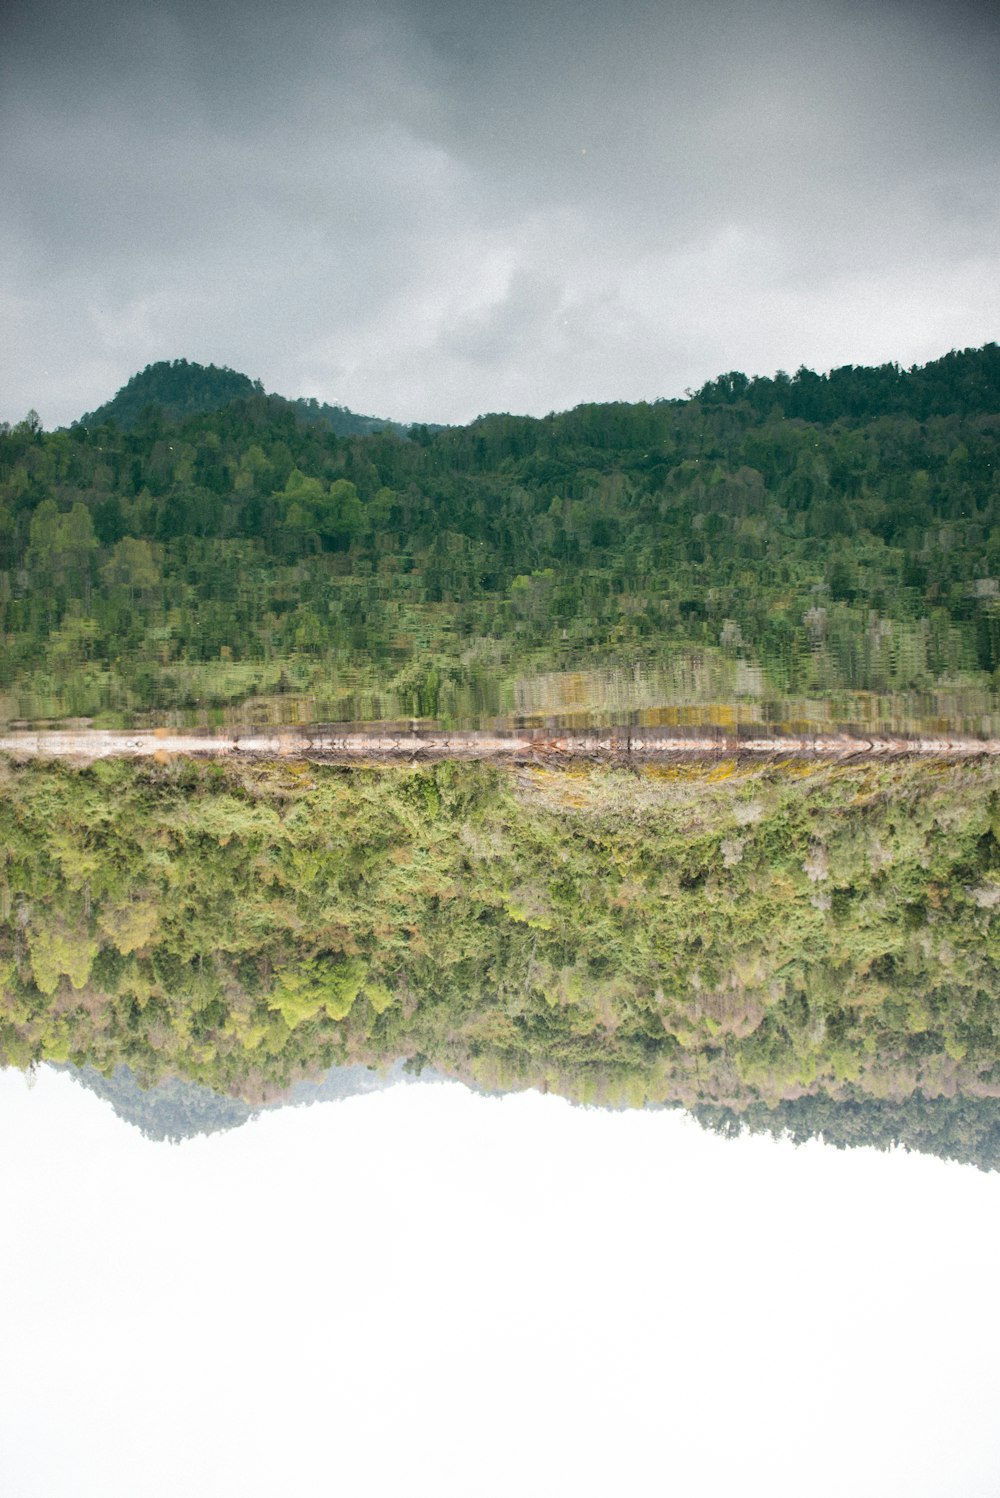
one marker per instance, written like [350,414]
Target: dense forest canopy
[809,537]
[816,946]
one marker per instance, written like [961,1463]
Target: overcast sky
[429,1293]
[429,210]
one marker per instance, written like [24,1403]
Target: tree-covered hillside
[173,1109]
[816,947]
[817,539]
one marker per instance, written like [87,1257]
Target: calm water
[692,693]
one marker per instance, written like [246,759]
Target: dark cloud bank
[426,211]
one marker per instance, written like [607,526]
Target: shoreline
[341,744]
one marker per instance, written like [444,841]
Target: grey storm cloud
[430,210]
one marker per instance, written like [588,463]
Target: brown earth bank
[345,744]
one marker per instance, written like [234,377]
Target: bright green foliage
[318,985]
[58,953]
[715,937]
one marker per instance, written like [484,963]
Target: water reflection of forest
[807,946]
[813,549]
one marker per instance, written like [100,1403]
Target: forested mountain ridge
[810,946]
[719,546]
[174,1109]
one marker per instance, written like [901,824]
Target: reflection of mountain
[171,391]
[174,1109]
[817,549]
